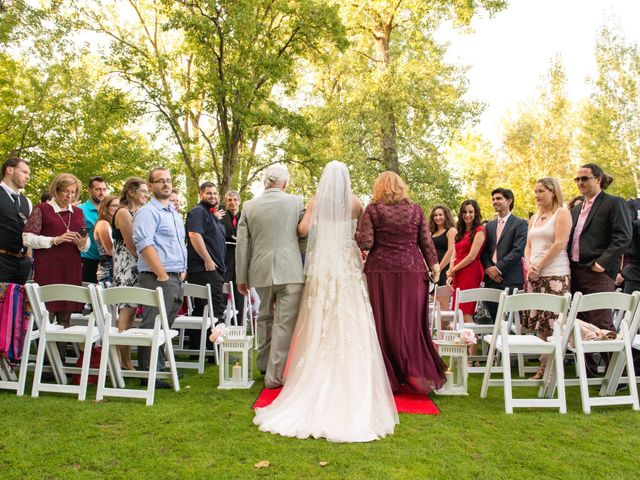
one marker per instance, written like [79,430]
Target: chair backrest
[477,295]
[137,295]
[196,291]
[628,305]
[509,304]
[39,295]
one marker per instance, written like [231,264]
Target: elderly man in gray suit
[268,258]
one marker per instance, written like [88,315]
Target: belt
[171,274]
[12,254]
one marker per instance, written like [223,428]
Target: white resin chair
[86,335]
[500,340]
[476,295]
[190,322]
[158,336]
[9,378]
[230,314]
[620,350]
[438,315]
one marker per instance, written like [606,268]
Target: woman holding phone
[57,233]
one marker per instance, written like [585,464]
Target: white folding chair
[476,295]
[191,322]
[230,313]
[8,378]
[86,335]
[502,341]
[156,337]
[620,348]
[437,314]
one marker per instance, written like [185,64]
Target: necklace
[66,224]
[543,216]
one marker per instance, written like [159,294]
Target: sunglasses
[583,179]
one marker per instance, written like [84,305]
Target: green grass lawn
[203,432]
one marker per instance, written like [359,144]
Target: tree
[610,133]
[391,102]
[208,68]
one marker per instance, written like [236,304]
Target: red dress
[399,241]
[59,263]
[470,276]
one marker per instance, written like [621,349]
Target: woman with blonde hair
[102,236]
[396,233]
[135,194]
[545,256]
[57,233]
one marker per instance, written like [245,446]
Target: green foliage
[202,432]
[610,130]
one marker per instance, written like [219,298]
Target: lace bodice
[397,237]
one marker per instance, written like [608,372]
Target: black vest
[12,223]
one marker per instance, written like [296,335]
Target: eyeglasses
[144,192]
[164,181]
[583,179]
[113,205]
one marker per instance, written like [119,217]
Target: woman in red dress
[397,236]
[467,271]
[56,231]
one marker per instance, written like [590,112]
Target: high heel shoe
[539,374]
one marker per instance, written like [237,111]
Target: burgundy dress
[399,241]
[471,275]
[59,263]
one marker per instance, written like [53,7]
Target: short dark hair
[205,185]
[93,180]
[12,162]
[506,193]
[154,170]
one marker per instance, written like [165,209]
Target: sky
[510,54]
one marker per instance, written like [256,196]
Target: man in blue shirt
[97,189]
[206,253]
[158,235]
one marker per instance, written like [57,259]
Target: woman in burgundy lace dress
[56,231]
[397,236]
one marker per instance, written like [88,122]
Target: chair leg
[506,371]
[153,367]
[170,357]
[631,373]
[24,362]
[86,362]
[203,346]
[37,376]
[582,372]
[559,368]
[102,373]
[488,368]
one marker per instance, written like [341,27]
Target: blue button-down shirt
[91,218]
[160,226]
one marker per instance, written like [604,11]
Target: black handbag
[482,316]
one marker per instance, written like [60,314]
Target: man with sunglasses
[15,260]
[97,190]
[601,232]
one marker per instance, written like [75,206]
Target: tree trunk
[388,134]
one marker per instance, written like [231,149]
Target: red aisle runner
[405,402]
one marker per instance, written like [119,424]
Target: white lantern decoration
[453,347]
[236,359]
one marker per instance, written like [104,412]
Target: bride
[336,384]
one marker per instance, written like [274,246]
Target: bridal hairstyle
[331,230]
[553,186]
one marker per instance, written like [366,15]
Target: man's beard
[207,204]
[96,200]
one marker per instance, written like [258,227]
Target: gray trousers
[172,294]
[276,321]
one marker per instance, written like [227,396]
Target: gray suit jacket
[267,250]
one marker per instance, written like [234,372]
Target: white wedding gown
[336,384]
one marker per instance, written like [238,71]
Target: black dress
[442,245]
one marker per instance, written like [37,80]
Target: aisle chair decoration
[236,357]
[454,345]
